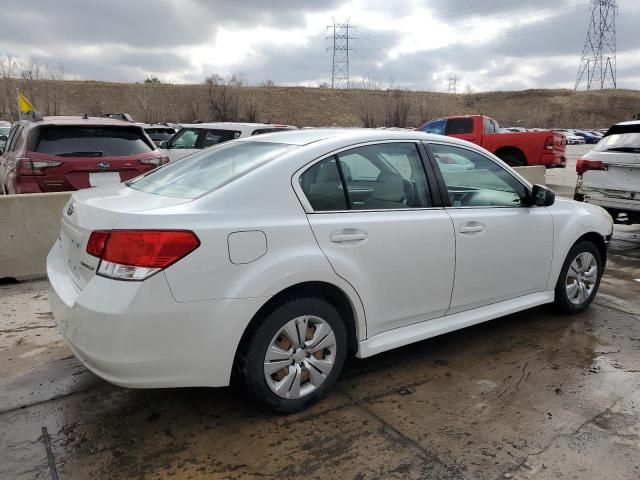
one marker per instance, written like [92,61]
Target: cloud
[497,44]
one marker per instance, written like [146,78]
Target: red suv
[57,154]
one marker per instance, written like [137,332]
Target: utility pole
[340,34]
[598,60]
[453,84]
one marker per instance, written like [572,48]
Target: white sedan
[267,260]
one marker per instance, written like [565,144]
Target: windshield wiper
[80,154]
[624,149]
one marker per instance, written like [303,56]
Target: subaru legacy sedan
[265,261]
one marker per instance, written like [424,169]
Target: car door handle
[348,235]
[472,227]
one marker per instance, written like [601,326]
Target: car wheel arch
[593,237]
[511,151]
[317,289]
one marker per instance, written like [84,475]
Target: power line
[340,35]
[599,53]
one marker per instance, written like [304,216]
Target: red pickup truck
[516,149]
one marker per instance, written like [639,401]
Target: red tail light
[583,165]
[138,254]
[26,166]
[549,142]
[161,160]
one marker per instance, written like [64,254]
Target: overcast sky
[489,44]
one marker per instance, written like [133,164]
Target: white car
[270,259]
[196,136]
[609,175]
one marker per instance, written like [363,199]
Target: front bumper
[134,334]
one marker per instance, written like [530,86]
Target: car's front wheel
[294,354]
[579,278]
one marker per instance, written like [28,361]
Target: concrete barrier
[29,226]
[535,174]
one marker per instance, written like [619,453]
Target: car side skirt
[421,331]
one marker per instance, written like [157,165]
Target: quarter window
[322,186]
[374,177]
[473,180]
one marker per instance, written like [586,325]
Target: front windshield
[621,142]
[208,170]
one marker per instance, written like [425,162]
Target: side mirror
[164,144]
[542,196]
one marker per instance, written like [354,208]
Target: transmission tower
[340,34]
[453,84]
[598,60]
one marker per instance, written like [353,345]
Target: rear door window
[457,126]
[214,137]
[91,141]
[375,177]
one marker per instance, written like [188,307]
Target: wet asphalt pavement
[532,395]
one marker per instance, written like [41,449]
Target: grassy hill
[321,107]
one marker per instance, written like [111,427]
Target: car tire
[513,159]
[578,283]
[306,374]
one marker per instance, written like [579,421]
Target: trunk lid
[623,171]
[75,173]
[99,209]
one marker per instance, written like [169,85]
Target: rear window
[620,138]
[90,141]
[456,126]
[209,169]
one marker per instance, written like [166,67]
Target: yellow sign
[24,104]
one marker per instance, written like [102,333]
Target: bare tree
[368,112]
[54,75]
[8,72]
[30,75]
[267,83]
[224,98]
[250,110]
[429,107]
[469,98]
[397,109]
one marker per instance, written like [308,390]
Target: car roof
[78,120]
[348,135]
[232,125]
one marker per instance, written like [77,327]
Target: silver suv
[609,175]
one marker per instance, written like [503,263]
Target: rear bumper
[553,160]
[613,201]
[134,334]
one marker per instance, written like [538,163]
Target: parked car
[516,149]
[56,154]
[572,139]
[196,136]
[609,175]
[5,128]
[517,129]
[589,138]
[158,132]
[269,259]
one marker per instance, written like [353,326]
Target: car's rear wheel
[294,354]
[579,278]
[512,158]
